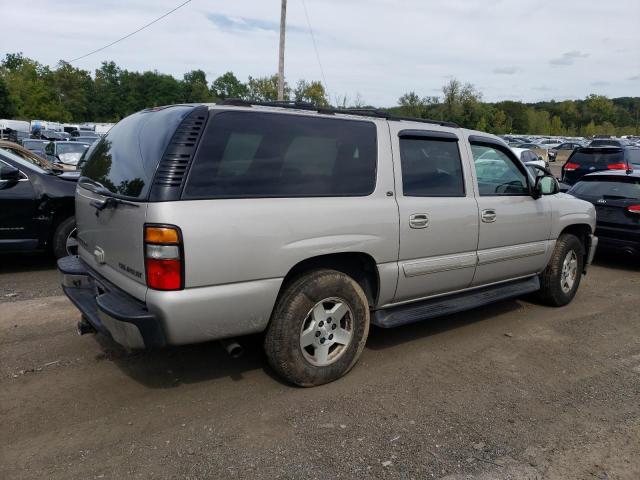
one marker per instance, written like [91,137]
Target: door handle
[488,215]
[419,220]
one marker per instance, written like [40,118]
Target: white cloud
[378,48]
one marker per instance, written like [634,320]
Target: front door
[514,226]
[438,213]
[17,210]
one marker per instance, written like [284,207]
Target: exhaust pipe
[233,348]
[84,327]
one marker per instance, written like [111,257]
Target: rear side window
[431,168]
[598,158]
[614,189]
[125,160]
[247,154]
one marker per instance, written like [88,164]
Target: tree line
[31,90]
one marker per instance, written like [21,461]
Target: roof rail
[365,112]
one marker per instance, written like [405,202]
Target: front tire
[318,328]
[560,280]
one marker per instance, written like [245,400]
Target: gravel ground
[511,391]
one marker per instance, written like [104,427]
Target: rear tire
[318,328]
[64,238]
[561,279]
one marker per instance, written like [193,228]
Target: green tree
[73,87]
[195,87]
[7,109]
[108,104]
[499,122]
[556,127]
[312,92]
[412,105]
[265,89]
[228,86]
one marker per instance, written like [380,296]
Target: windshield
[33,145]
[71,148]
[19,161]
[598,158]
[627,189]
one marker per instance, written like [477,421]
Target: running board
[438,307]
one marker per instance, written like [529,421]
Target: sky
[375,50]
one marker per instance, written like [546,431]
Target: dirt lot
[515,390]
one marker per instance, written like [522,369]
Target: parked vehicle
[65,154]
[530,157]
[35,145]
[26,154]
[593,159]
[36,207]
[14,130]
[562,151]
[616,196]
[608,142]
[215,221]
[86,140]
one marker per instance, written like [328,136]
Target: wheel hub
[326,331]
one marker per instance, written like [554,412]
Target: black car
[565,146]
[594,159]
[616,196]
[36,207]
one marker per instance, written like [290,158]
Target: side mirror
[546,185]
[9,173]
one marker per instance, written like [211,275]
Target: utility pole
[283,17]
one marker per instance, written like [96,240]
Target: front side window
[248,155]
[431,168]
[497,173]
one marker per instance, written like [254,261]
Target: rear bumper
[109,309]
[620,244]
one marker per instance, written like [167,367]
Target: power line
[132,33]
[315,47]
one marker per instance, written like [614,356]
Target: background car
[27,155]
[562,151]
[527,156]
[594,159]
[65,154]
[35,145]
[616,196]
[36,207]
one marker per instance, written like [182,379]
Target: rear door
[438,212]
[113,191]
[514,227]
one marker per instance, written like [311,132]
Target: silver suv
[204,222]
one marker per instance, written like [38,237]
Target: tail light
[163,257]
[570,166]
[617,166]
[634,209]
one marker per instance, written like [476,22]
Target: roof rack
[365,112]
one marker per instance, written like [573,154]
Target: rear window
[627,189]
[124,161]
[244,155]
[598,158]
[634,157]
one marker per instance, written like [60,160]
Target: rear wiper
[110,202]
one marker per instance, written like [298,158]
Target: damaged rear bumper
[108,309]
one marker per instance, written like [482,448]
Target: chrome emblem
[602,200]
[99,254]
[592,168]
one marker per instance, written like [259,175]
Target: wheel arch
[583,232]
[360,266]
